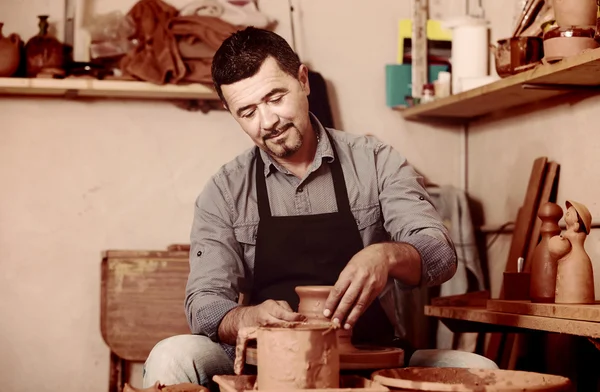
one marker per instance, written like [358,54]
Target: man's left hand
[359,283]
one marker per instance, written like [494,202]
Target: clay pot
[10,54]
[561,42]
[570,13]
[312,304]
[44,53]
[517,54]
[284,354]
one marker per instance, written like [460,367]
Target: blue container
[398,84]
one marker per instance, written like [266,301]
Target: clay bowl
[561,42]
[469,380]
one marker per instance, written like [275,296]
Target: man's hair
[242,54]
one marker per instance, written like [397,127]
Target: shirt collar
[324,150]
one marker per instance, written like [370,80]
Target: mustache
[277,131]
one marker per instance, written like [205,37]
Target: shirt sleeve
[216,262]
[411,218]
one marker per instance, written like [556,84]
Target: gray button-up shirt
[387,198]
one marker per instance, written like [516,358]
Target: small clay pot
[292,356]
[517,54]
[10,53]
[312,304]
[570,13]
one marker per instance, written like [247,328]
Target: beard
[287,145]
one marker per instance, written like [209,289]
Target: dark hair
[242,54]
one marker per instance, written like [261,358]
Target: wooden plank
[500,346]
[475,298]
[142,303]
[482,315]
[103,88]
[527,216]
[580,70]
[550,183]
[419,47]
[564,311]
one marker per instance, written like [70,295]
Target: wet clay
[472,380]
[312,304]
[294,356]
[574,276]
[157,387]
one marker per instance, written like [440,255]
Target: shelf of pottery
[553,50]
[42,67]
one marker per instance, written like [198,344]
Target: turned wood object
[543,264]
[574,275]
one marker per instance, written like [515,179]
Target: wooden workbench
[482,318]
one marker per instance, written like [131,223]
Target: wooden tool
[419,46]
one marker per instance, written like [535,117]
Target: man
[306,206]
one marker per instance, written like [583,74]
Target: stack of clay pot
[575,29]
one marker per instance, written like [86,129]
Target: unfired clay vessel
[543,264]
[292,356]
[158,387]
[575,276]
[575,12]
[312,304]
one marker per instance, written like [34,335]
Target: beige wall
[81,177]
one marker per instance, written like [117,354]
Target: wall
[80,177]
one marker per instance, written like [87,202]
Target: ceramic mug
[292,356]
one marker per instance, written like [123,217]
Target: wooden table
[580,320]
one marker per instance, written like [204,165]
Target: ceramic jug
[10,55]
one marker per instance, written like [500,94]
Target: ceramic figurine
[543,264]
[575,276]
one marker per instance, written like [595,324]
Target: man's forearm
[230,324]
[404,262]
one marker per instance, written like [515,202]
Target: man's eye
[278,99]
[248,114]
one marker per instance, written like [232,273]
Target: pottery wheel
[362,358]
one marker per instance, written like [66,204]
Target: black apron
[311,250]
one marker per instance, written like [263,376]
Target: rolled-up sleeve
[216,265]
[410,216]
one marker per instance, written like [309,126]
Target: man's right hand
[268,312]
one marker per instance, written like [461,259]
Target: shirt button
[300,189]
[199,253]
[421,197]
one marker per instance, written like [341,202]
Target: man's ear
[303,78]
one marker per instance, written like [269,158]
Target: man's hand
[359,283]
[268,312]
[272,312]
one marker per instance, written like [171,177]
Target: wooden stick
[419,46]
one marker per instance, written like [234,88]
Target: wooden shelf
[578,73]
[80,87]
[453,316]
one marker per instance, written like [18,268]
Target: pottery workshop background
[80,177]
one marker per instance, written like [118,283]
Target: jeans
[186,358]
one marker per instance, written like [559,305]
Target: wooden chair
[142,302]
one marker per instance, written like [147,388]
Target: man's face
[272,108]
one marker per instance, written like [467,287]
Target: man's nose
[268,118]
